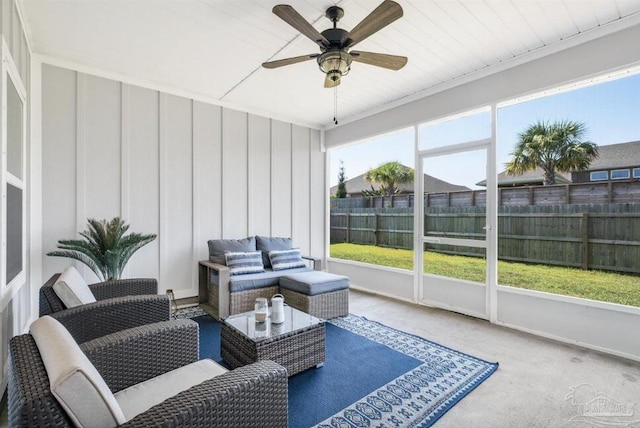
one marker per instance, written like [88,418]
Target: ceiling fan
[335,58]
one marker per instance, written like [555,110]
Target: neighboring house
[357,185]
[615,162]
[529,178]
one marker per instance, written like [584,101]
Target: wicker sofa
[250,396]
[228,294]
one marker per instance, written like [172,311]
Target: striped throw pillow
[243,263]
[286,259]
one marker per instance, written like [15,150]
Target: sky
[610,110]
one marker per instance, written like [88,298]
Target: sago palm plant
[105,248]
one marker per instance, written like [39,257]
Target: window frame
[591,174]
[11,75]
[620,170]
[635,173]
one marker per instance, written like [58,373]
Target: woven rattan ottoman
[321,294]
[297,344]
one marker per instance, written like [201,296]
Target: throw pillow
[243,263]
[286,259]
[72,289]
[267,243]
[218,247]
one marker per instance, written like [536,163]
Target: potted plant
[105,247]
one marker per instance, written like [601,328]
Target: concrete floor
[535,377]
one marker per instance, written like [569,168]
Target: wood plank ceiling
[212,49]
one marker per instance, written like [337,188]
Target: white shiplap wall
[185,170]
[16,315]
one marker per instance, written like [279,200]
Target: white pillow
[73,380]
[286,259]
[244,263]
[72,289]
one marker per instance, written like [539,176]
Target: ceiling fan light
[334,75]
[335,62]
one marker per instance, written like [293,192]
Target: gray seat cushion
[264,279]
[141,397]
[314,282]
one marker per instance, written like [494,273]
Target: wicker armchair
[120,305]
[250,396]
[51,303]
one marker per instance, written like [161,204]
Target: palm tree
[554,147]
[389,175]
[105,248]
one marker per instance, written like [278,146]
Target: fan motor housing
[335,36]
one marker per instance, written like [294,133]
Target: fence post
[348,226]
[375,230]
[584,230]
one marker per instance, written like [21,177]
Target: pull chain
[335,105]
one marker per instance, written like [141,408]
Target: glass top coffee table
[297,344]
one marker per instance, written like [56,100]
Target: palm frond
[81,258]
[104,248]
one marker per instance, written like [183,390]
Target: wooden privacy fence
[623,191]
[603,236]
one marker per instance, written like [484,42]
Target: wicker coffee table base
[297,351]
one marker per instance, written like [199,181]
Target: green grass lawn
[595,285]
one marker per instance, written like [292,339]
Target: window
[636,172]
[374,224]
[619,174]
[599,176]
[575,240]
[12,178]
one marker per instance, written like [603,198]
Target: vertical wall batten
[124,157]
[124,152]
[162,203]
[80,149]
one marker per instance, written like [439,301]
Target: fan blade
[287,61]
[382,16]
[392,62]
[289,15]
[329,83]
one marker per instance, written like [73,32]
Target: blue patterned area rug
[418,397]
[373,376]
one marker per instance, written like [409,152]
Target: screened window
[620,174]
[636,172]
[599,175]
[13,187]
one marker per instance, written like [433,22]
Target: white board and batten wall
[597,325]
[185,170]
